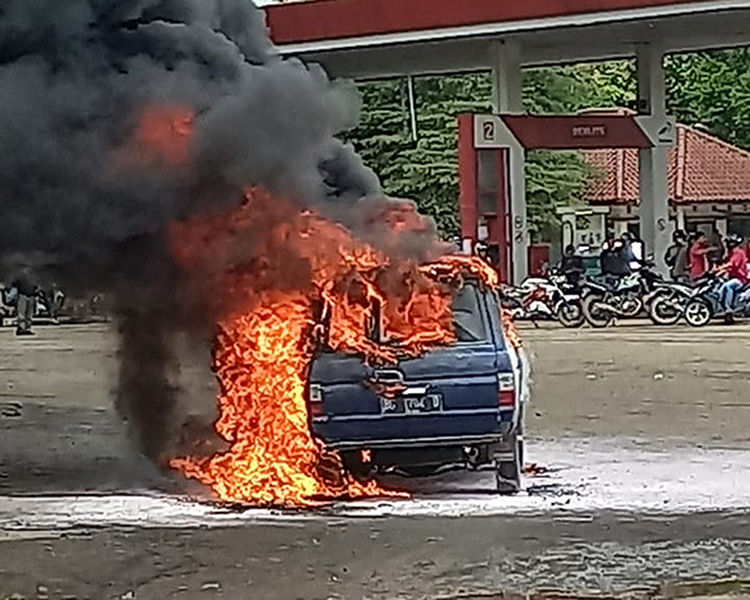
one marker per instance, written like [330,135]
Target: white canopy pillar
[507,97]
[654,191]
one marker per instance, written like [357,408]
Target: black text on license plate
[411,405]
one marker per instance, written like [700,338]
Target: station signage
[572,132]
[588,131]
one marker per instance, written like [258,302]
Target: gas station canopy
[376,38]
[381,38]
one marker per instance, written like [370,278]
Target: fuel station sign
[570,132]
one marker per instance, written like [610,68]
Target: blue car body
[456,405]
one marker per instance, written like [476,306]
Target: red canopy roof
[335,19]
[700,168]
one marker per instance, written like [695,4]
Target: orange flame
[164,131]
[292,276]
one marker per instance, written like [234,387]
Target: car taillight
[506,390]
[315,398]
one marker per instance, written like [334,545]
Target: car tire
[508,467]
[354,467]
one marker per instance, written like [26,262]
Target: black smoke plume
[76,78]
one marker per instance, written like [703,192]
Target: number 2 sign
[488,131]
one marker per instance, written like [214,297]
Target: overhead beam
[540,47]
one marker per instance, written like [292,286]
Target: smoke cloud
[76,75]
[90,180]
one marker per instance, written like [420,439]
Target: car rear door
[449,393]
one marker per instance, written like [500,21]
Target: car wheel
[508,466]
[356,468]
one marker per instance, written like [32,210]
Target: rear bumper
[424,442]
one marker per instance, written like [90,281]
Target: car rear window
[467,318]
[467,315]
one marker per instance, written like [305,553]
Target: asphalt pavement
[641,484]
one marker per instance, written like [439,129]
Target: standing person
[699,250]
[630,253]
[717,251]
[606,257]
[483,252]
[615,259]
[632,249]
[55,299]
[25,303]
[735,268]
[624,256]
[572,266]
[677,257]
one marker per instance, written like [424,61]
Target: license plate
[411,405]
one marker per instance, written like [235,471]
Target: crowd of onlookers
[25,300]
[690,258]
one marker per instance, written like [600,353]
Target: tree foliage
[425,168]
[712,89]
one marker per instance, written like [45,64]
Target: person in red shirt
[698,255]
[735,268]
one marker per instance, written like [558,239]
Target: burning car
[456,406]
[331,352]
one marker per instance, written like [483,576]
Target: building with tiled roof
[709,188]
[701,168]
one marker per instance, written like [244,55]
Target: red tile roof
[700,168]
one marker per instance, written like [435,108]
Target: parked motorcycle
[545,299]
[706,304]
[653,285]
[627,296]
[604,300]
[669,301]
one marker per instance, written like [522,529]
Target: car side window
[467,315]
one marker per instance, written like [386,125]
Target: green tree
[556,179]
[712,89]
[425,169]
[708,88]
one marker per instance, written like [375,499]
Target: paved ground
[643,381]
[645,431]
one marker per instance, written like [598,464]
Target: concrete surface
[643,432]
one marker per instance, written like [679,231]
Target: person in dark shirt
[25,303]
[628,254]
[571,266]
[717,251]
[677,257]
[615,259]
[606,256]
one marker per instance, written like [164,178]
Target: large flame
[295,277]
